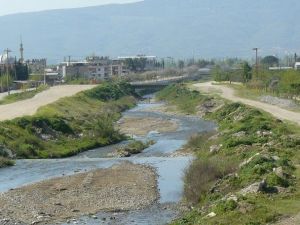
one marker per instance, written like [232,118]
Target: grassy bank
[70,125]
[179,95]
[4,162]
[23,95]
[246,173]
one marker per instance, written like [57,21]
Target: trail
[228,93]
[30,106]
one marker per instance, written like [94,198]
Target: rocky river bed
[150,201]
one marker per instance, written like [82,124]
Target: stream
[170,169]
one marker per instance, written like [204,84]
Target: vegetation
[23,95]
[4,162]
[281,83]
[70,125]
[134,147]
[182,97]
[250,148]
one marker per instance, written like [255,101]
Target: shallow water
[170,169]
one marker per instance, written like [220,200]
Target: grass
[182,97]
[22,96]
[70,125]
[244,133]
[135,147]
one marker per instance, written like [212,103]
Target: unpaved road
[30,106]
[228,93]
[123,187]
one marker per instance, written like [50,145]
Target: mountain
[178,28]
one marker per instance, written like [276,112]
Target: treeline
[280,82]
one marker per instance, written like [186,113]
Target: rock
[279,172]
[239,134]
[95,217]
[215,148]
[248,160]
[254,188]
[281,189]
[264,133]
[232,198]
[276,158]
[211,215]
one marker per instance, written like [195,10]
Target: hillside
[178,28]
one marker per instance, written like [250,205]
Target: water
[170,169]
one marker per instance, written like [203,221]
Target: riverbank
[120,188]
[69,125]
[247,172]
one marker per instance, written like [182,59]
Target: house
[297,66]
[93,68]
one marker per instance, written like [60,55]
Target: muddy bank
[142,126]
[123,187]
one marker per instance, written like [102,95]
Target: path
[228,93]
[30,106]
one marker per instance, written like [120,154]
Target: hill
[179,28]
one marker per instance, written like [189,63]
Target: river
[170,169]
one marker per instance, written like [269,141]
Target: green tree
[270,61]
[246,72]
[181,64]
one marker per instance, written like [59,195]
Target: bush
[201,175]
[4,162]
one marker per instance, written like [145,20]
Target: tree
[246,72]
[270,61]
[181,64]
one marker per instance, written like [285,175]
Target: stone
[211,215]
[214,148]
[239,134]
[276,158]
[248,160]
[279,172]
[254,188]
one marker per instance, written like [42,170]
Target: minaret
[22,52]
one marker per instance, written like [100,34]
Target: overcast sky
[17,6]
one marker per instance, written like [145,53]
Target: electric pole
[7,70]
[256,60]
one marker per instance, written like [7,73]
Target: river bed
[170,169]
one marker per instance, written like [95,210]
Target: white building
[297,66]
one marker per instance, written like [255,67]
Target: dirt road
[30,106]
[228,93]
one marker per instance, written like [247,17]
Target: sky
[19,6]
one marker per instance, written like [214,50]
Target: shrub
[201,175]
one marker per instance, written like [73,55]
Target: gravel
[120,188]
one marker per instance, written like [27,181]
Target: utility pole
[256,60]
[7,70]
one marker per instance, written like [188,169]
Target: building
[93,68]
[297,66]
[36,66]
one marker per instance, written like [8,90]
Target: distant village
[93,68]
